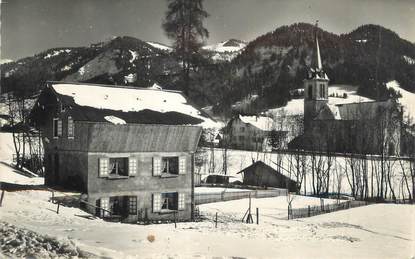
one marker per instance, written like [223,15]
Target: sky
[31,26]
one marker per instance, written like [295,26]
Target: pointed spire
[319,65]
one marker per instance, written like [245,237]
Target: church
[363,127]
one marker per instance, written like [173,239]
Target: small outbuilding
[261,174]
[218,179]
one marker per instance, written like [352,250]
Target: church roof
[354,111]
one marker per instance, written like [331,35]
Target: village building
[130,151]
[261,174]
[249,132]
[364,127]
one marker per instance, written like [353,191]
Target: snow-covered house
[130,150]
[249,132]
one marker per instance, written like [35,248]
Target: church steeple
[315,86]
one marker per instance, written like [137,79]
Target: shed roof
[260,163]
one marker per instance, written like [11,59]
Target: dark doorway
[56,169]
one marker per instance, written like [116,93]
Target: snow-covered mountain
[5,61]
[225,50]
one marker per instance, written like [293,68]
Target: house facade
[249,132]
[132,158]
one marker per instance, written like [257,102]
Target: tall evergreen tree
[184,25]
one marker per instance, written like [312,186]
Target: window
[70,128]
[322,91]
[169,201]
[241,138]
[117,205]
[118,166]
[310,91]
[57,127]
[170,165]
[242,129]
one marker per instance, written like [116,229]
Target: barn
[130,151]
[261,174]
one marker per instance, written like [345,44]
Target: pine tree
[184,25]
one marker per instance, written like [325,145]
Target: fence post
[1,198]
[216,220]
[288,211]
[308,211]
[257,216]
[175,219]
[57,210]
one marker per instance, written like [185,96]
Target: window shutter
[181,201]
[103,167]
[182,165]
[132,166]
[70,127]
[156,202]
[59,128]
[132,205]
[156,166]
[104,204]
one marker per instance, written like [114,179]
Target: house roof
[260,122]
[260,163]
[104,103]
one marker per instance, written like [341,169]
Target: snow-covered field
[375,231]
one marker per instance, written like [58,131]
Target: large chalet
[129,150]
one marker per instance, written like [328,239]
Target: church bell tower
[315,87]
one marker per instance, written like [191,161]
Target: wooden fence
[317,210]
[202,198]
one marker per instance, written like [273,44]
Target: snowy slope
[407,100]
[376,231]
[7,173]
[226,46]
[160,46]
[225,50]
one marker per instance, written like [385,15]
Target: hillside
[268,67]
[275,63]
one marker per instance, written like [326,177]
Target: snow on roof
[260,122]
[114,120]
[407,100]
[155,86]
[159,46]
[130,99]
